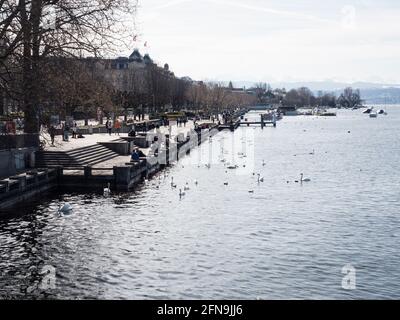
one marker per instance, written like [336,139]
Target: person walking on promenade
[117,127]
[74,130]
[52,132]
[66,131]
[109,127]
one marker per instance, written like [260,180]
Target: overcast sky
[274,40]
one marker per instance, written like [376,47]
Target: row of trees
[34,32]
[304,97]
[215,97]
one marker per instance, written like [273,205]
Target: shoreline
[123,178]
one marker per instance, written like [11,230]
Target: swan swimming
[107,191]
[186,187]
[304,180]
[65,209]
[260,179]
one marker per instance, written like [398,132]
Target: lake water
[285,240]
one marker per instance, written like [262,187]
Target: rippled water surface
[284,240]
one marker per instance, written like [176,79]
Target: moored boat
[369,110]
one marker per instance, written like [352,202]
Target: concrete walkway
[89,140]
[92,139]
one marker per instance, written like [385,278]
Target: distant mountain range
[371,93]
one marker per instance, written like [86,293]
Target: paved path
[91,139]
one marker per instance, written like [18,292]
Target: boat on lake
[369,110]
[327,114]
[323,112]
[288,111]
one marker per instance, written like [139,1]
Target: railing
[30,180]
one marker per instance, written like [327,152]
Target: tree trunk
[31,52]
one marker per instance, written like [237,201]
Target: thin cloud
[293,14]
[169,4]
[272,11]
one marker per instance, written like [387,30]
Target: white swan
[173,185]
[65,209]
[181,193]
[304,180]
[260,179]
[107,191]
[263,163]
[186,187]
[196,182]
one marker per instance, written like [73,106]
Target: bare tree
[350,98]
[34,30]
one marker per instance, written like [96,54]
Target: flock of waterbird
[67,208]
[260,178]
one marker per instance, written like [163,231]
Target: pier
[265,119]
[230,126]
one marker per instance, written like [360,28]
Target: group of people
[117,126]
[66,129]
[180,121]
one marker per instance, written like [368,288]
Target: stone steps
[90,155]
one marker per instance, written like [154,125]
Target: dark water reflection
[284,240]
